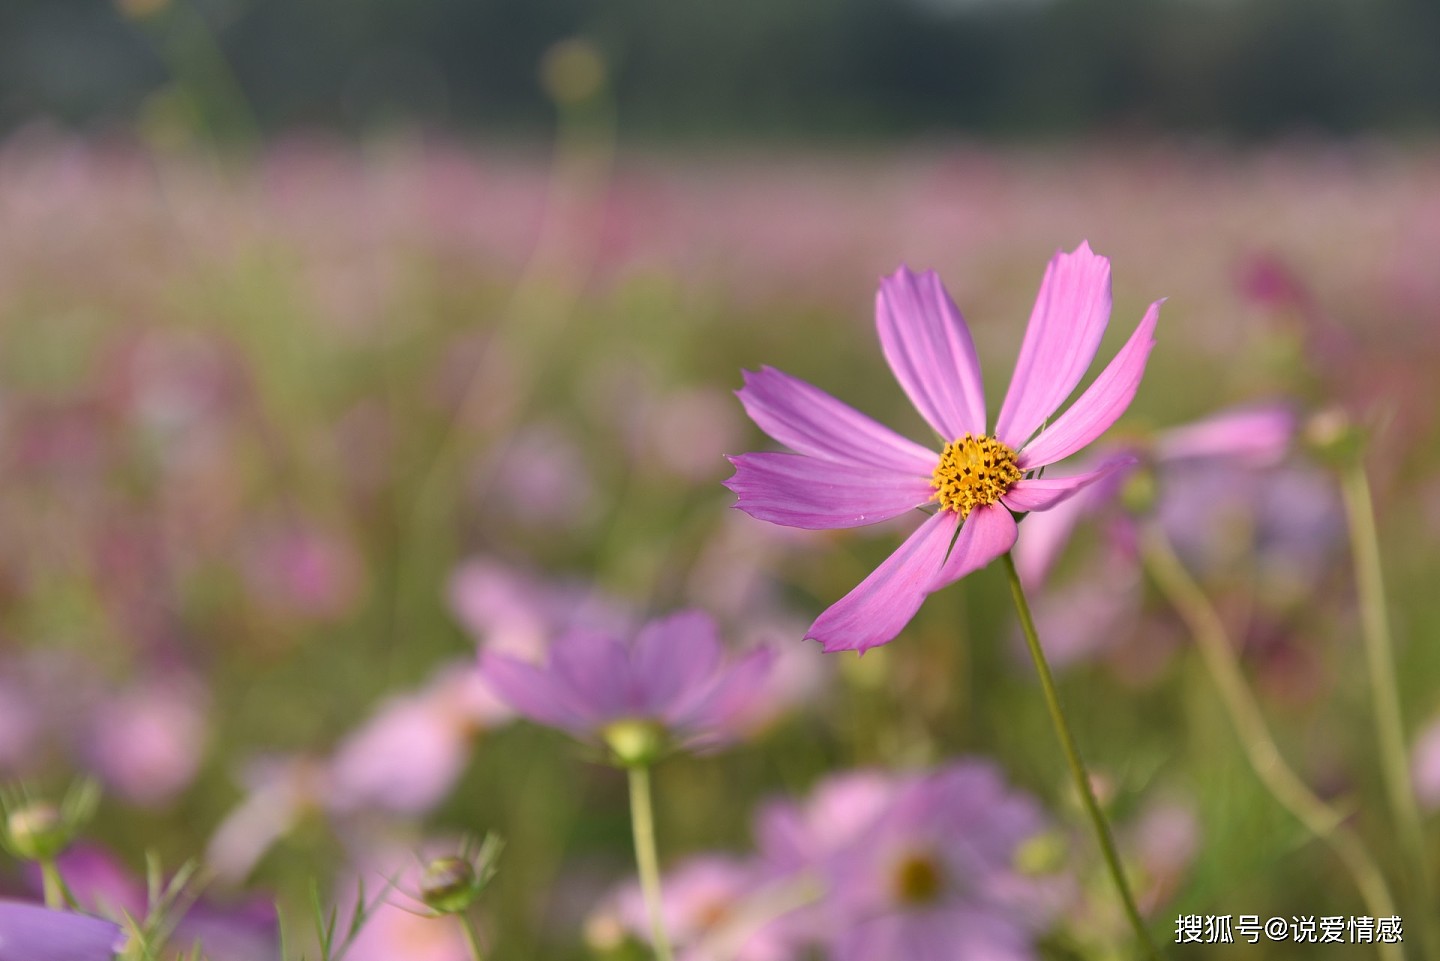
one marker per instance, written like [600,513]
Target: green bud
[1041,854]
[635,742]
[1140,490]
[1333,436]
[448,885]
[37,831]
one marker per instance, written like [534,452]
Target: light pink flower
[408,755]
[849,471]
[714,907]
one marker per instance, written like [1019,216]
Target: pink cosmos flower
[848,471]
[672,675]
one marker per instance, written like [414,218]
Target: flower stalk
[642,826]
[472,937]
[1077,766]
[1385,692]
[1212,639]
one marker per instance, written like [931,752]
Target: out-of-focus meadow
[286,434]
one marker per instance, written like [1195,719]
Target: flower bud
[635,742]
[37,831]
[448,885]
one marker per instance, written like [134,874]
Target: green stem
[1385,692]
[1077,766]
[642,825]
[56,897]
[472,937]
[1213,641]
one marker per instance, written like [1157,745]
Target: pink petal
[1065,328]
[800,491]
[595,669]
[1047,532]
[928,346]
[1251,435]
[1043,493]
[810,421]
[716,714]
[532,691]
[673,657]
[880,607]
[1102,403]
[986,534]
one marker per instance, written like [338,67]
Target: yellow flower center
[917,879]
[973,471]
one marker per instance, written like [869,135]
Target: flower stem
[642,825]
[55,894]
[1077,766]
[1212,639]
[1385,692]
[472,937]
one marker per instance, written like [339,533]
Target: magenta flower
[848,470]
[672,680]
[29,932]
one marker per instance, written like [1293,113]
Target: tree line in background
[793,69]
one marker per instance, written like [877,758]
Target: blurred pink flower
[408,755]
[1164,840]
[715,907]
[1425,766]
[672,674]
[279,792]
[850,471]
[302,570]
[399,927]
[146,743]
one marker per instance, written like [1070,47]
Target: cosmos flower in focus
[848,471]
[668,687]
[29,932]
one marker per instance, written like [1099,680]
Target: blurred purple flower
[29,932]
[1220,491]
[850,471]
[1235,440]
[673,674]
[916,866]
[244,931]
[934,876]
[511,611]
